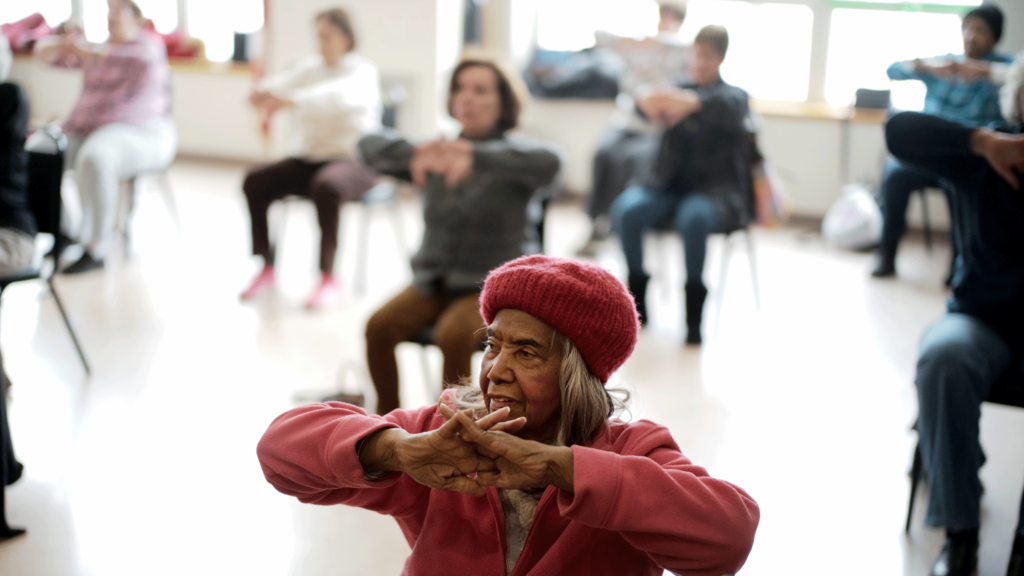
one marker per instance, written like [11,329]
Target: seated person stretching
[121,125]
[700,181]
[629,144]
[960,88]
[982,336]
[335,98]
[475,192]
[595,495]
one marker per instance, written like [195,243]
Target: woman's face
[476,102]
[333,42]
[520,371]
[122,24]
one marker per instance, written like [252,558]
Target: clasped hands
[267,104]
[445,458]
[969,70]
[669,106]
[452,159]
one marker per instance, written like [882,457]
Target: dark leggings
[327,184]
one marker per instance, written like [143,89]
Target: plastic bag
[854,222]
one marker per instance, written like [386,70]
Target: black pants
[327,184]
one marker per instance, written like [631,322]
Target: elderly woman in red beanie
[534,451]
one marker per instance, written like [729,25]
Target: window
[163,13]
[216,21]
[768,64]
[212,21]
[763,60]
[55,11]
[570,24]
[864,43]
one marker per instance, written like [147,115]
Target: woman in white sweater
[335,100]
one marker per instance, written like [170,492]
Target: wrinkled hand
[493,421]
[440,459]
[1004,152]
[518,463]
[452,159]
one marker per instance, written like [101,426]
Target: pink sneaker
[326,293]
[261,283]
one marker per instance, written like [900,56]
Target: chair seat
[29,274]
[381,193]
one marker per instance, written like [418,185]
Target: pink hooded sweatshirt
[639,507]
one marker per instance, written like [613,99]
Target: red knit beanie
[582,301]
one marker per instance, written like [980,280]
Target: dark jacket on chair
[709,152]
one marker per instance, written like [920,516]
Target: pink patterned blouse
[126,83]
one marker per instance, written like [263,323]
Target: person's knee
[625,210]
[325,192]
[695,219]
[456,339]
[380,330]
[254,186]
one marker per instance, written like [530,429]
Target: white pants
[102,160]
[17,251]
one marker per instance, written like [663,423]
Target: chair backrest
[45,172]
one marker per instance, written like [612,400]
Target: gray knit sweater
[480,224]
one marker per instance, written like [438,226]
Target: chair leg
[723,275]
[362,247]
[753,268]
[428,384]
[130,190]
[168,194]
[395,211]
[915,477]
[661,247]
[926,220]
[67,323]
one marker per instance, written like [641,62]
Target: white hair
[1009,96]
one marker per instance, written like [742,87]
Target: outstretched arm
[685,520]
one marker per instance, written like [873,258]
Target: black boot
[695,296]
[638,286]
[1016,566]
[959,556]
[885,262]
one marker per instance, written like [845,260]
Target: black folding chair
[44,181]
[1008,391]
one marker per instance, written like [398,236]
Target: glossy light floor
[149,466]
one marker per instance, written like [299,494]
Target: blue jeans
[693,215]
[961,357]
